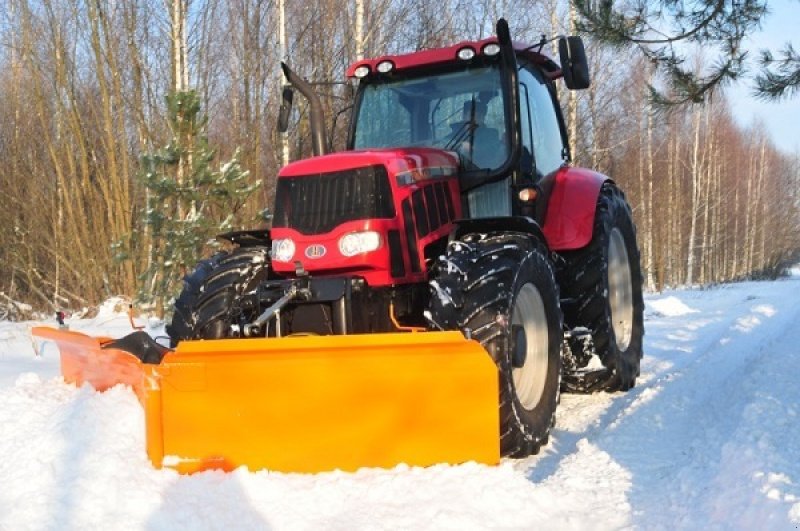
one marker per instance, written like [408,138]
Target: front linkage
[332,295]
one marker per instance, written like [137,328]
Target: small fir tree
[188,201]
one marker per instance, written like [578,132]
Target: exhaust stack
[318,139]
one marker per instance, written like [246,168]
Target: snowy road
[708,439]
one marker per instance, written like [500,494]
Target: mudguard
[569,221]
[303,404]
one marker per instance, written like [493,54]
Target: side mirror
[285,110]
[573,63]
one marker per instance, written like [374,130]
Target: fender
[247,238]
[569,222]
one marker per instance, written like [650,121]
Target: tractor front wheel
[208,307]
[501,290]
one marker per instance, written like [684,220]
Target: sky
[782,118]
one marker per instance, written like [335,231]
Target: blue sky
[782,118]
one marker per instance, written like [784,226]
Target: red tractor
[454,208]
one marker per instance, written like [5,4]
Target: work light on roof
[384,67]
[491,49]
[361,71]
[466,53]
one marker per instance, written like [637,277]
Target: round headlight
[359,243]
[384,67]
[466,53]
[283,250]
[491,49]
[361,71]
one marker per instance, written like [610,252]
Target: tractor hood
[401,199]
[404,165]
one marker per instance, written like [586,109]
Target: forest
[93,131]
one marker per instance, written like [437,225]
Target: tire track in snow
[678,440]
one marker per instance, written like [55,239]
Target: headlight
[283,250]
[359,242]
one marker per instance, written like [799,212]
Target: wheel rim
[529,313]
[620,290]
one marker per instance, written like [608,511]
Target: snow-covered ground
[709,439]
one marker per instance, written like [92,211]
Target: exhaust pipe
[317,115]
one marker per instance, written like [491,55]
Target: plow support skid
[304,404]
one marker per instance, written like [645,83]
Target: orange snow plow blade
[304,404]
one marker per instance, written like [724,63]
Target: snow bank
[670,306]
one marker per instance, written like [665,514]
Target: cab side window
[548,148]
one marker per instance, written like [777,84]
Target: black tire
[595,299]
[208,306]
[493,285]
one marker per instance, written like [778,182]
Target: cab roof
[449,55]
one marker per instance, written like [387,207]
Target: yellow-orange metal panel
[306,404]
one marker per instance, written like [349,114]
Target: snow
[668,307]
[709,438]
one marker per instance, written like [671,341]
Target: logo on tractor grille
[315,251]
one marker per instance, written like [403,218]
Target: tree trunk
[695,198]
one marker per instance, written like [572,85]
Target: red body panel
[569,221]
[409,170]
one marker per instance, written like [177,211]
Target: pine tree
[189,202]
[661,31]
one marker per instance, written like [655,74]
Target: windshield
[460,111]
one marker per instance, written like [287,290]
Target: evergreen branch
[718,24]
[779,77]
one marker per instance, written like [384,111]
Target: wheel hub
[620,290]
[519,351]
[530,357]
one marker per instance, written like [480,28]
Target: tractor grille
[315,204]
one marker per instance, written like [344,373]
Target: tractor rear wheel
[601,286]
[208,307]
[501,290]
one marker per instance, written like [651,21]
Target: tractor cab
[457,109]
[491,102]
